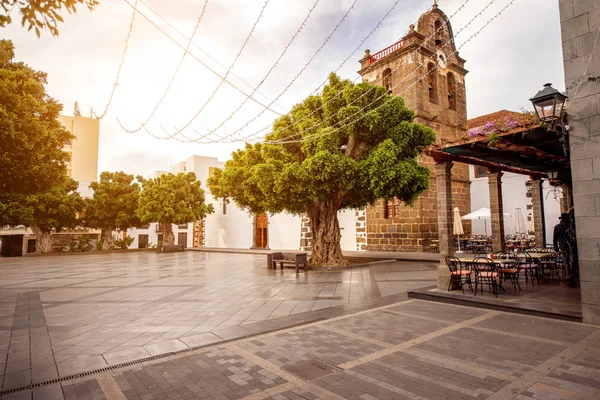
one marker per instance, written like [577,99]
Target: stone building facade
[426,70]
[580,27]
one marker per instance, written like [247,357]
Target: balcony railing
[385,52]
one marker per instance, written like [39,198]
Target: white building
[514,193]
[231,227]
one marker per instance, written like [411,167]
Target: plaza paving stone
[382,348]
[62,315]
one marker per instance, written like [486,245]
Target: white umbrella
[458,228]
[519,221]
[483,213]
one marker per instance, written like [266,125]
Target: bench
[295,259]
[167,248]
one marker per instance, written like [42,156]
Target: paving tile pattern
[68,314]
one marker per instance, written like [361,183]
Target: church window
[437,26]
[390,209]
[480,172]
[432,80]
[387,80]
[451,91]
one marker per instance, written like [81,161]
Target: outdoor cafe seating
[496,269]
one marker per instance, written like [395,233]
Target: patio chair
[509,271]
[554,266]
[486,274]
[529,268]
[458,273]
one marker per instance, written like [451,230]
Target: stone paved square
[65,314]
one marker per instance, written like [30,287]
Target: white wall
[347,220]
[232,230]
[284,232]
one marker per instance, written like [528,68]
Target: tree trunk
[326,235]
[43,240]
[168,236]
[107,239]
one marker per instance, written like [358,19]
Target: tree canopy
[344,148]
[172,199]
[113,205]
[46,211]
[41,14]
[32,159]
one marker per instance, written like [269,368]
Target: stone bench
[295,259]
[168,248]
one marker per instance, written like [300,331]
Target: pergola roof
[508,141]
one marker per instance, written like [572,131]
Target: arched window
[387,80]
[437,28]
[432,80]
[451,91]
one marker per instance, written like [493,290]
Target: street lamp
[549,103]
[553,175]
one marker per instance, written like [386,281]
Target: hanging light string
[197,59]
[294,79]
[174,28]
[179,131]
[253,137]
[164,95]
[318,135]
[116,84]
[264,79]
[202,136]
[228,138]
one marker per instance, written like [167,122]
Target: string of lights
[205,53]
[168,88]
[293,80]
[275,64]
[116,84]
[196,58]
[328,132]
[180,131]
[253,136]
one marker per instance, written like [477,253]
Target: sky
[509,61]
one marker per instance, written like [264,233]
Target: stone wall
[580,26]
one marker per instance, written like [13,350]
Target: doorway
[261,231]
[182,238]
[142,241]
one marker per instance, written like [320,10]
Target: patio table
[539,256]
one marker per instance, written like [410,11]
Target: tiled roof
[495,116]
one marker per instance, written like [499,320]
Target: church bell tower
[426,70]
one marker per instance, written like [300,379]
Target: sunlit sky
[508,63]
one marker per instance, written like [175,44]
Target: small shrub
[123,244]
[80,245]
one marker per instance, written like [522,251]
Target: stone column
[443,177]
[539,221]
[305,234]
[361,229]
[497,210]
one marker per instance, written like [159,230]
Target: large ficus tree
[32,159]
[40,14]
[342,149]
[172,199]
[46,212]
[113,205]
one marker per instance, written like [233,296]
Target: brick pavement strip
[110,387]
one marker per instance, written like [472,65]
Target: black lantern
[549,103]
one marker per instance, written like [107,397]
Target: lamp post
[549,105]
